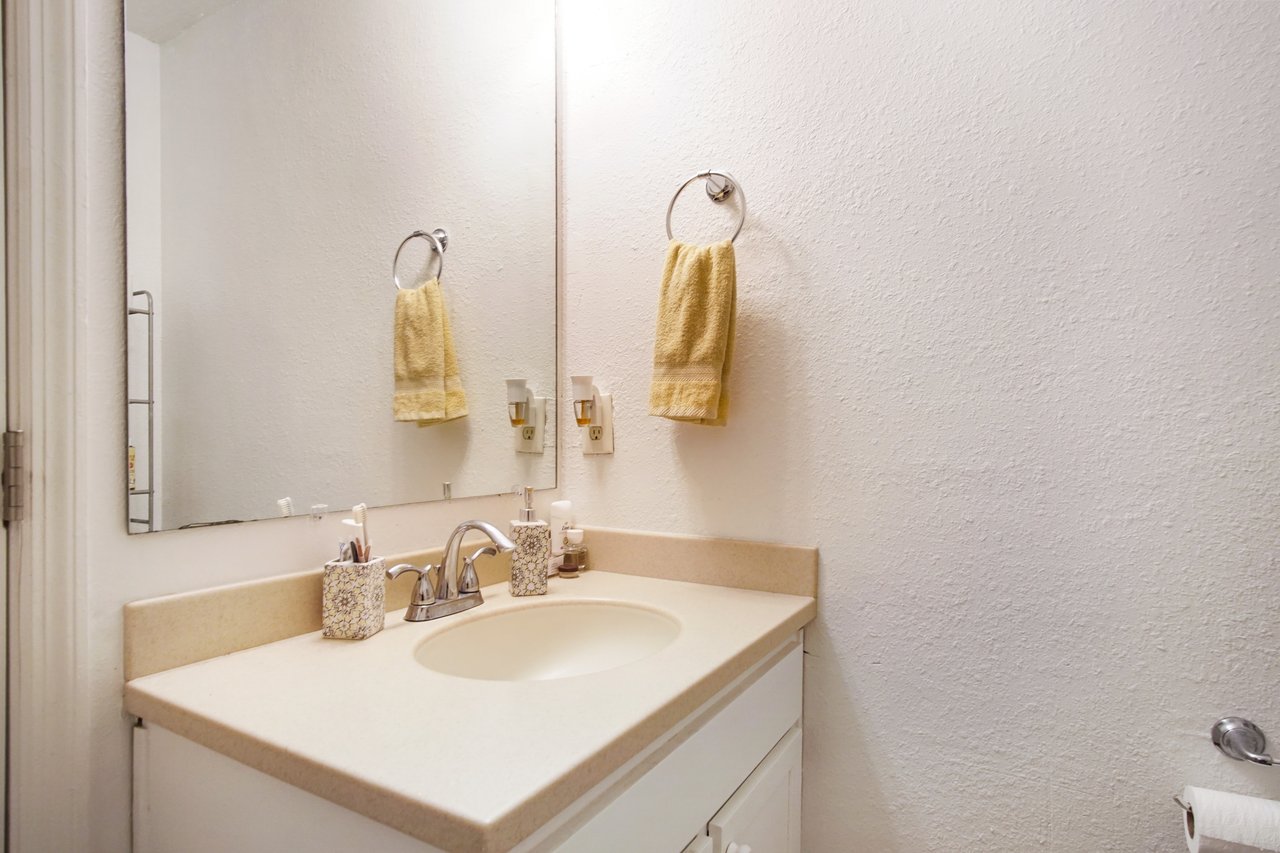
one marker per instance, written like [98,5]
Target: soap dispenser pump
[533,548]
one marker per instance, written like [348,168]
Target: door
[7,456]
[763,816]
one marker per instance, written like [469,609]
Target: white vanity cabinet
[726,780]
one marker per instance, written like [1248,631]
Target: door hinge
[13,476]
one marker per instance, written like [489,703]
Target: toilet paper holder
[1239,739]
[1189,816]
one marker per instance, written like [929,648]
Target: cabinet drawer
[763,815]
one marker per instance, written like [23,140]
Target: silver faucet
[447,579]
[455,591]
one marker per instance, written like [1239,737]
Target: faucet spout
[447,580]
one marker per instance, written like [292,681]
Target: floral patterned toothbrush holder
[355,598]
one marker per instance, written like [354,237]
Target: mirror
[277,154]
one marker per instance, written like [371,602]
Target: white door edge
[48,709]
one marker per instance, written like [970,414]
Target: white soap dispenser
[533,549]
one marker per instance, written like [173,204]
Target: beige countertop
[457,762]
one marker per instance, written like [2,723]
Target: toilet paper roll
[1230,823]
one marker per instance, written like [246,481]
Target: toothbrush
[361,543]
[286,507]
[361,512]
[355,543]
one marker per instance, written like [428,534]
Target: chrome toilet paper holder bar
[1239,739]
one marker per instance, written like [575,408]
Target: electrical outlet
[597,438]
[529,437]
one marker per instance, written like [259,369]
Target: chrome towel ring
[439,240]
[720,185]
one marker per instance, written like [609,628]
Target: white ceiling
[161,20]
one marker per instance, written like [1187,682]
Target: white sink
[547,640]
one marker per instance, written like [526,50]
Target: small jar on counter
[575,554]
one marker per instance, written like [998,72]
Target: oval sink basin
[546,641]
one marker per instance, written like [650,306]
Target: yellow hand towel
[694,346]
[428,389]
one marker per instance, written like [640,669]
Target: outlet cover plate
[531,437]
[597,439]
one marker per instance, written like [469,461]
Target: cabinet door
[763,816]
[701,844]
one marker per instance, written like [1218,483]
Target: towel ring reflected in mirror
[720,185]
[439,240]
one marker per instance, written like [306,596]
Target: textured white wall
[302,142]
[1009,352]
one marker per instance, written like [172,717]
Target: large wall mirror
[277,154]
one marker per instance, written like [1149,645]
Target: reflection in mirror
[277,153]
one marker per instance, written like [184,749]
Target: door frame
[45,199]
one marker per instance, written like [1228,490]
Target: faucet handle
[422,592]
[470,581]
[399,569]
